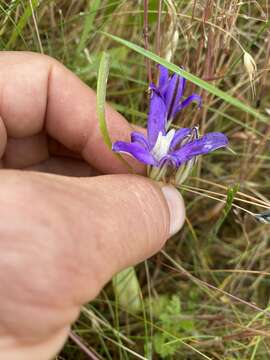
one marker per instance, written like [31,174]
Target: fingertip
[176,207]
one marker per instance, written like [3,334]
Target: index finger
[37,92]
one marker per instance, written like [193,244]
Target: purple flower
[162,147]
[172,90]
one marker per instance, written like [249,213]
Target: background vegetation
[206,296]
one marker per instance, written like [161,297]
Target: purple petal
[204,145]
[139,138]
[189,100]
[163,78]
[135,150]
[179,136]
[174,94]
[169,160]
[156,118]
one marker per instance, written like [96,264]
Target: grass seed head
[251,67]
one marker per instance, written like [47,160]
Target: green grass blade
[92,9]
[194,79]
[103,73]
[232,191]
[7,16]
[22,23]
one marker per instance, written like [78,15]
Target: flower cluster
[167,149]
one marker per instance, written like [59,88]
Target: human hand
[63,237]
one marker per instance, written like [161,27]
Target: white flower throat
[162,145]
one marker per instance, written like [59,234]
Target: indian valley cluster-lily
[165,150]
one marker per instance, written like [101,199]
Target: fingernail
[176,207]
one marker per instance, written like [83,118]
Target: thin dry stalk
[146,39]
[77,340]
[158,37]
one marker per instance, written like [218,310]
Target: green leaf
[161,347]
[103,73]
[171,326]
[127,290]
[194,79]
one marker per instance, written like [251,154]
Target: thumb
[96,226]
[129,218]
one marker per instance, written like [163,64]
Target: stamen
[162,145]
[196,133]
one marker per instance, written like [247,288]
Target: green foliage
[127,290]
[92,9]
[172,325]
[22,22]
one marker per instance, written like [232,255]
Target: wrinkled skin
[63,237]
